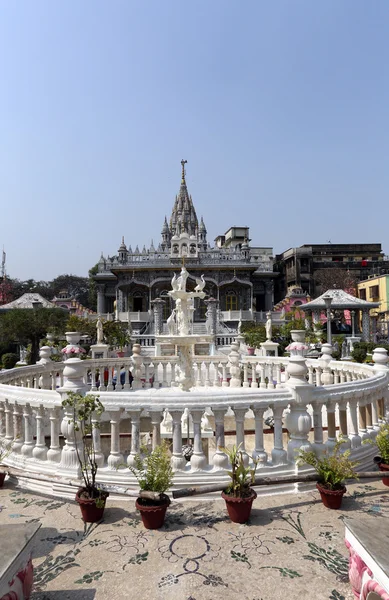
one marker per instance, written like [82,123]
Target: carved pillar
[331,431]
[259,452]
[269,286]
[178,460]
[156,419]
[18,429]
[362,420]
[29,443]
[318,444]
[99,456]
[54,452]
[158,305]
[365,325]
[198,461]
[40,449]
[220,460]
[234,358]
[278,454]
[8,422]
[69,460]
[240,439]
[135,437]
[343,430]
[115,457]
[353,424]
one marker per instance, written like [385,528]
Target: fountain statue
[179,328]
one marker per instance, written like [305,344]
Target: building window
[362,294]
[231,302]
[374,291]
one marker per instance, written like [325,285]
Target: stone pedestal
[269,348]
[99,350]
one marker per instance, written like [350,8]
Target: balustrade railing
[310,404]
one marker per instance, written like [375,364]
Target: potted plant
[239,495]
[382,442]
[154,474]
[253,340]
[332,470]
[5,450]
[117,335]
[90,497]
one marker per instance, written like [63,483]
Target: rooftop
[291,544]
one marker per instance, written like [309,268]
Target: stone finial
[380,357]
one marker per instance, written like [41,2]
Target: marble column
[40,449]
[198,462]
[240,439]
[178,460]
[259,452]
[220,459]
[101,305]
[29,443]
[54,452]
[18,429]
[156,419]
[115,458]
[135,437]
[278,454]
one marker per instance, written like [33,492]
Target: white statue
[181,281]
[175,282]
[268,327]
[99,327]
[282,315]
[171,323]
[200,284]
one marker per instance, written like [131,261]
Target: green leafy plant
[116,334]
[382,442]
[242,477]
[153,470]
[83,411]
[332,468]
[9,360]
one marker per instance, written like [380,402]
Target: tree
[92,288]
[30,326]
[76,287]
[335,277]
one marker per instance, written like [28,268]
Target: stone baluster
[343,430]
[73,443]
[254,383]
[369,418]
[220,459]
[102,387]
[375,415]
[2,420]
[362,420]
[127,384]
[178,460]
[353,423]
[271,385]
[137,360]
[310,375]
[93,380]
[297,420]
[207,382]
[234,358]
[240,439]
[336,376]
[259,452]
[318,443]
[331,426]
[348,376]
[147,375]
[28,445]
[198,460]
[318,372]
[115,458]
[225,382]
[278,454]
[110,379]
[217,379]
[54,452]
[262,385]
[40,449]
[135,437]
[278,375]
[156,419]
[164,374]
[18,429]
[96,437]
[246,383]
[9,436]
[342,376]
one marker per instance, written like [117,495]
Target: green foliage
[83,410]
[116,333]
[241,476]
[254,335]
[9,360]
[362,349]
[382,442]
[153,471]
[26,326]
[333,468]
[83,326]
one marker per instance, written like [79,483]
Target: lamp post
[328,302]
[353,323]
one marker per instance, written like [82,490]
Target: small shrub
[332,469]
[382,442]
[9,360]
[153,471]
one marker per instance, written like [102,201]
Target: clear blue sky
[280,108]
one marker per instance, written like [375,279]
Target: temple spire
[183,163]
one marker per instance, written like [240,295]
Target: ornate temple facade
[238,275]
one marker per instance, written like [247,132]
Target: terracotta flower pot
[153,515]
[384,467]
[120,354]
[239,509]
[89,511]
[250,351]
[2,477]
[331,498]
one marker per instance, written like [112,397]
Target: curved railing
[309,402]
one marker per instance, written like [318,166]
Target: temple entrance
[137,304]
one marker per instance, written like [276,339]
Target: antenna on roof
[3,273]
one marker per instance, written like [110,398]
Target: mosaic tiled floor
[292,548]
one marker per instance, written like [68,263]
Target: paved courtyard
[292,548]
